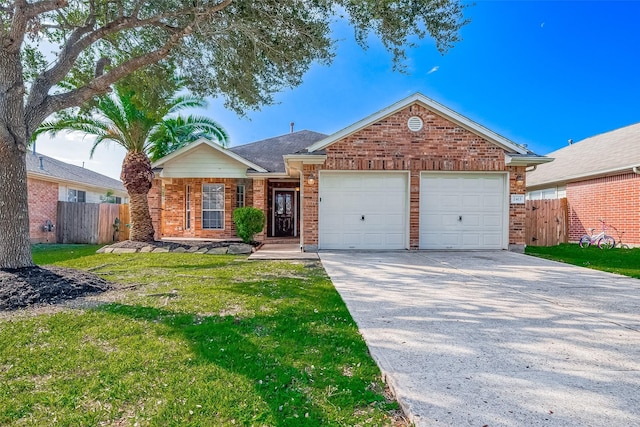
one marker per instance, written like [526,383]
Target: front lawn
[621,261]
[191,340]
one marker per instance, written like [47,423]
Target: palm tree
[141,133]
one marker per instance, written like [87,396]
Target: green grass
[44,254]
[621,261]
[192,340]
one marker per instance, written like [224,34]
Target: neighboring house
[600,178]
[415,175]
[50,180]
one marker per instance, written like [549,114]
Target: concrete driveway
[497,338]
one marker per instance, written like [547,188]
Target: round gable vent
[414,123]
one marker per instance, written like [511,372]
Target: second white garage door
[363,210]
[463,211]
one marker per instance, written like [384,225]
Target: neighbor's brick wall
[43,206]
[389,145]
[173,207]
[616,199]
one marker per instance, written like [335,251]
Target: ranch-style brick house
[415,175]
[600,177]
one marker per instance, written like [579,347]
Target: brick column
[260,202]
[517,212]
[310,208]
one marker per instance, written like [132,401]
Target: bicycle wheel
[585,241]
[606,242]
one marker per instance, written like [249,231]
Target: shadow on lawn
[294,361]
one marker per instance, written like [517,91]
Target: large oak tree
[58,54]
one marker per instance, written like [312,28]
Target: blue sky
[536,72]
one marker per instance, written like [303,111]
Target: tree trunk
[137,178]
[15,247]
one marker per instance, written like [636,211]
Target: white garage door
[463,211]
[362,210]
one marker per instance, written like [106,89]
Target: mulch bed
[35,286]
[25,287]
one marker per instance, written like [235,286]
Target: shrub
[249,221]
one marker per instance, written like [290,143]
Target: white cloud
[434,69]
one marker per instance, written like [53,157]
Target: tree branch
[99,85]
[38,8]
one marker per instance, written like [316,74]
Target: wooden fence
[92,223]
[547,222]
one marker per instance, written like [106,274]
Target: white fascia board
[295,161]
[160,163]
[432,105]
[582,177]
[307,159]
[526,160]
[267,175]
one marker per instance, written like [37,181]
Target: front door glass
[284,216]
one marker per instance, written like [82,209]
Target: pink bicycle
[603,240]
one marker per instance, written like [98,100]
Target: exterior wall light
[519,179]
[312,179]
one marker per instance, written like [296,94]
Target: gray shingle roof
[64,171]
[595,156]
[268,152]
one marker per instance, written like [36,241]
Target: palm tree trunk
[137,178]
[141,224]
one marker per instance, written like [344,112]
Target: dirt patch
[25,287]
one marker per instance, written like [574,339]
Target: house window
[187,207]
[76,196]
[118,200]
[213,206]
[240,196]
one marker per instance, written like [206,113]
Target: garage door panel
[470,201]
[471,221]
[479,200]
[492,221]
[346,197]
[471,240]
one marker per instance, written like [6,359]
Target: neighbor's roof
[598,155]
[268,152]
[53,169]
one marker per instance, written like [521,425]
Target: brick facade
[170,219]
[616,199]
[43,206]
[388,144]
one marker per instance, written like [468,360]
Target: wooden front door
[284,213]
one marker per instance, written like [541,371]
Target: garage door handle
[362,218]
[460,218]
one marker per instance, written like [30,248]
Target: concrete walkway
[497,338]
[276,251]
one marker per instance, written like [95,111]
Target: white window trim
[244,195]
[187,207]
[214,210]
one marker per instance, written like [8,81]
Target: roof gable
[432,105]
[220,152]
[598,155]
